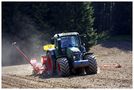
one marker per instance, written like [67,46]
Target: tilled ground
[19,76]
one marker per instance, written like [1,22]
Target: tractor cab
[66,42]
[68,56]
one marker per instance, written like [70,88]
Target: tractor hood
[74,49]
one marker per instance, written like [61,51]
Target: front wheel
[63,67]
[92,68]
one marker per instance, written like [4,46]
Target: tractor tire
[92,68]
[63,67]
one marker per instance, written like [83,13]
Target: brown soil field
[108,76]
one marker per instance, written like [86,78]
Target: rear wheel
[63,67]
[92,68]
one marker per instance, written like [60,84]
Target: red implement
[46,60]
[39,69]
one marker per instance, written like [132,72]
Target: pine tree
[88,21]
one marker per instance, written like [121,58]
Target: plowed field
[19,76]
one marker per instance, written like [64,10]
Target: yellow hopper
[48,47]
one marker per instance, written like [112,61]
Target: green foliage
[113,17]
[102,36]
[32,24]
[56,17]
[91,38]
[88,19]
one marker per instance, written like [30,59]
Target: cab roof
[65,34]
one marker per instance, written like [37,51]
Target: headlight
[74,57]
[77,56]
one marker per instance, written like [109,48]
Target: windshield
[69,41]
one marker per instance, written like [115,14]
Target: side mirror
[52,40]
[83,35]
[83,44]
[59,43]
[83,49]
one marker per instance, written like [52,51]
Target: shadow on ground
[123,45]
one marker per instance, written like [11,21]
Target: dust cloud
[29,39]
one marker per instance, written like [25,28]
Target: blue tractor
[69,56]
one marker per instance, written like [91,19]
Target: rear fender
[88,53]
